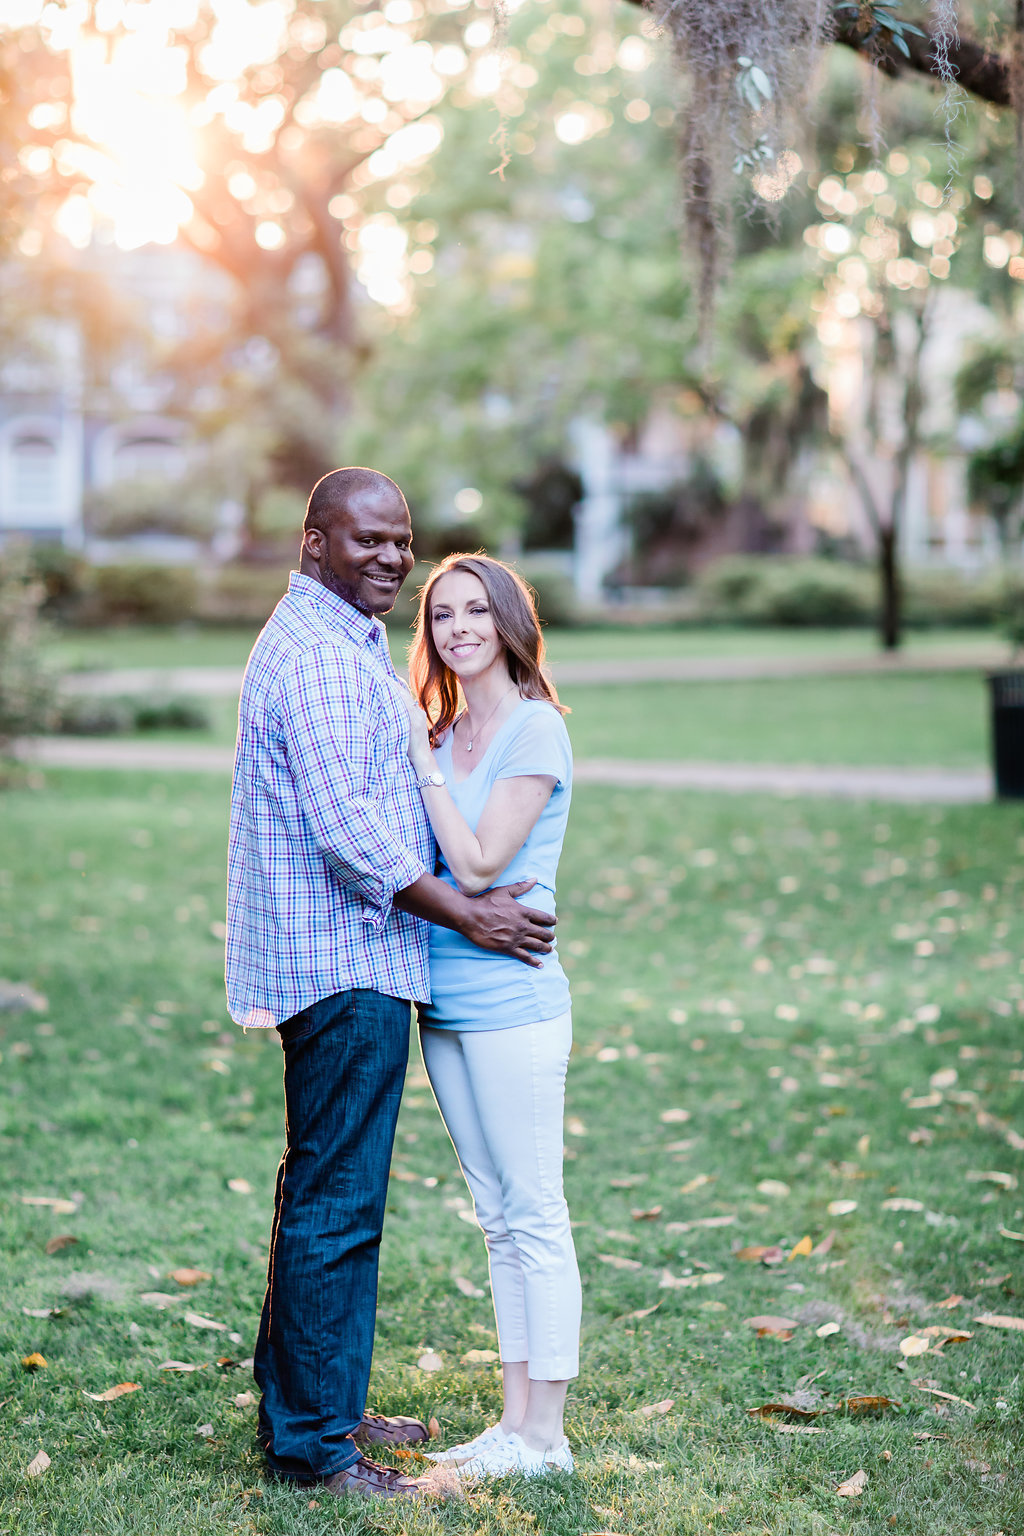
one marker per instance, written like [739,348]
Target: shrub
[948,598]
[171,715]
[140,594]
[27,689]
[556,599]
[97,715]
[781,590]
[241,594]
[64,575]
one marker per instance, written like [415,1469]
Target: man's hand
[495,920]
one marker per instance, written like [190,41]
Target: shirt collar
[335,611]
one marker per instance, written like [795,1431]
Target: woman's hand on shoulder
[419,727]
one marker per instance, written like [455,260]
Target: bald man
[330,888]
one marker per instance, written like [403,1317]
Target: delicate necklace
[490,717]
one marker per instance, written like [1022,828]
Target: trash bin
[1006,692]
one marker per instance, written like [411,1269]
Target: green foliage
[131,507]
[26,684]
[99,715]
[240,594]
[759,589]
[140,594]
[995,477]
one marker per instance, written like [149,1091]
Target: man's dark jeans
[344,1067]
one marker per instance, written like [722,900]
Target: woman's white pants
[501,1093]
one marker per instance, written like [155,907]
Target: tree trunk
[890,592]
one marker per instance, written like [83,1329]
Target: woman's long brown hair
[515,619]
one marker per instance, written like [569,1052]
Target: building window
[33,471]
[148,458]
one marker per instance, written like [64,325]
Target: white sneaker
[484,1441]
[512,1454]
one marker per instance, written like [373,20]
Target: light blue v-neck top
[473,988]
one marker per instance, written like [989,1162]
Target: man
[329,880]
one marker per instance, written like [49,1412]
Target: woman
[496,782]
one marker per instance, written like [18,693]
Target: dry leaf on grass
[785,1411]
[670,1282]
[826,1330]
[1015,1237]
[796,1429]
[841,1207]
[947,1304]
[697,1182]
[652,1410]
[674,1116]
[42,1311]
[868,1404]
[467,1287]
[630,1181]
[854,1486]
[180,1365]
[992,1176]
[57,1206]
[65,1240]
[701,1222]
[800,1250]
[1000,1320]
[39,1463]
[902,1203]
[776,1188]
[430,1362]
[434,1428]
[159,1299]
[768,1326]
[651,1214]
[947,1397]
[33,1362]
[109,1395]
[945,1335]
[204,1432]
[634,1317]
[914,1344]
[189,1276]
[479,1357]
[199,1321]
[618,1262]
[820,1249]
[240,1186]
[924,1434]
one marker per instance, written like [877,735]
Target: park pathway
[913,785]
[226,682]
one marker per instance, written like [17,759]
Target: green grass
[793,976]
[922,719]
[192,646]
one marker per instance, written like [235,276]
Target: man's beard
[346,590]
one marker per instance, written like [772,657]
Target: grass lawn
[191,646]
[787,1016]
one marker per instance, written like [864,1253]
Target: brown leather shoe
[369,1480]
[378,1430]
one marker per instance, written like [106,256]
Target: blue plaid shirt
[326,820]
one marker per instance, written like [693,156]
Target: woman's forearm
[460,846]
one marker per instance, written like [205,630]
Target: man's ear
[313,542]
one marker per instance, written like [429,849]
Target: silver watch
[436,780]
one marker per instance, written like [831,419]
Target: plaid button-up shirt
[326,820]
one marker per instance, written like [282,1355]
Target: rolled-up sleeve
[325,720]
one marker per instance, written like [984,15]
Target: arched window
[148,458]
[34,466]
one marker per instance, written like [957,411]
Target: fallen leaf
[869,1404]
[784,1410]
[33,1362]
[618,1262]
[674,1116]
[841,1207]
[39,1463]
[948,1397]
[992,1280]
[180,1365]
[697,1182]
[575,1127]
[796,1429]
[754,1253]
[57,1206]
[801,1249]
[947,1304]
[827,1330]
[479,1356]
[671,1282]
[902,1203]
[767,1326]
[924,1434]
[467,1287]
[946,1077]
[199,1321]
[159,1299]
[240,1186]
[189,1276]
[773,1187]
[943,1335]
[652,1410]
[430,1362]
[634,1317]
[1015,1237]
[700,1221]
[204,1432]
[651,1214]
[244,1399]
[109,1395]
[433,1428]
[65,1240]
[42,1311]
[914,1344]
[854,1486]
[629,1182]
[1000,1320]
[992,1176]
